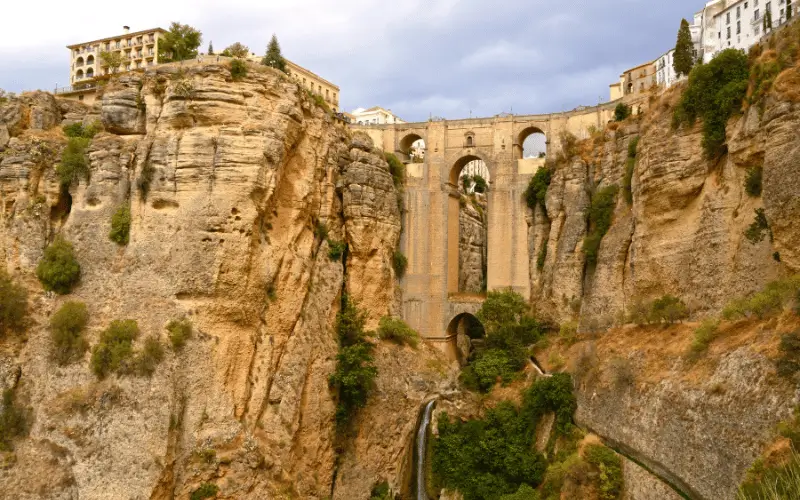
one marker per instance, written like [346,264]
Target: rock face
[228,184]
[472,247]
[683,234]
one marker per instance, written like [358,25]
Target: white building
[374,116]
[665,71]
[740,24]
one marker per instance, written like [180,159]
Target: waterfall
[422,442]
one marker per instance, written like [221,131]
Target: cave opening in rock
[466,333]
[60,211]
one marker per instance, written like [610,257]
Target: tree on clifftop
[179,43]
[273,57]
[683,60]
[211,48]
[236,50]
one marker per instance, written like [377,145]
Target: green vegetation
[397,169]
[715,92]
[237,50]
[66,329]
[179,331]
[509,329]
[319,101]
[321,231]
[238,69]
[274,58]
[769,301]
[73,163]
[753,181]
[622,112]
[630,166]
[210,50]
[179,43]
[541,257]
[81,131]
[336,249]
[536,193]
[381,491]
[479,184]
[704,335]
[759,228]
[121,225]
[59,270]
[494,456]
[789,362]
[355,369]
[115,348]
[599,218]
[146,361]
[610,466]
[776,479]
[206,490]
[525,492]
[668,309]
[13,305]
[112,60]
[13,421]
[400,264]
[683,60]
[396,330]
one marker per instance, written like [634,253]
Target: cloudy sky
[419,58]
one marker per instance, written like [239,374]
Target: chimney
[126,30]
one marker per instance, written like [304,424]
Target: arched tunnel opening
[467,334]
[468,228]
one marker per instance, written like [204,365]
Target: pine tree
[273,57]
[683,60]
[211,48]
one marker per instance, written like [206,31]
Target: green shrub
[600,214]
[145,179]
[81,131]
[536,192]
[336,249]
[525,492]
[760,226]
[66,329]
[396,168]
[238,69]
[704,335]
[621,112]
[753,181]
[781,482]
[494,365]
[319,101]
[13,421]
[355,369]
[552,394]
[59,270]
[630,167]
[541,258]
[715,91]
[73,163]
[321,231]
[610,466]
[400,264]
[771,300]
[668,309]
[788,363]
[145,361]
[381,491]
[481,186]
[397,331]
[179,331]
[13,304]
[206,490]
[121,225]
[114,350]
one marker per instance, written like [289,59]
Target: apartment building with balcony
[740,25]
[137,50]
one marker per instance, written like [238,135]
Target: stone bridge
[431,302]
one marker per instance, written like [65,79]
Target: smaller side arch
[458,166]
[463,331]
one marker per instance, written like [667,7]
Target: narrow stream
[421,456]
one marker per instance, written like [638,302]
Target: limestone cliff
[228,183]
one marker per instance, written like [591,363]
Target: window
[738,12]
[728,18]
[729,32]
[738,27]
[757,16]
[334,96]
[745,5]
[757,30]
[117,44]
[470,141]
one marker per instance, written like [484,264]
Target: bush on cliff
[238,69]
[771,300]
[73,165]
[600,214]
[355,370]
[630,166]
[536,193]
[13,304]
[396,330]
[621,112]
[753,181]
[715,92]
[668,309]
[206,490]
[759,228]
[66,329]
[80,130]
[179,331]
[396,168]
[59,270]
[400,264]
[115,348]
[13,420]
[121,225]
[610,466]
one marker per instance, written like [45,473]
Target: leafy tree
[179,43]
[66,329]
[400,264]
[466,182]
[760,226]
[238,69]
[73,163]
[683,60]
[481,186]
[273,58]
[59,270]
[621,112]
[115,348]
[121,225]
[397,331]
[236,50]
[610,466]
[113,60]
[13,304]
[211,48]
